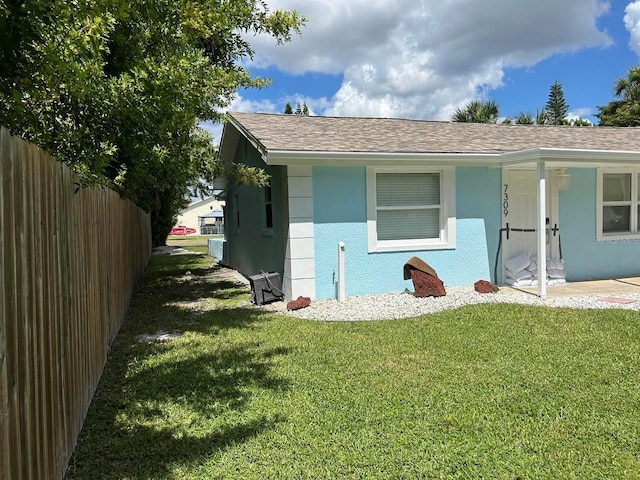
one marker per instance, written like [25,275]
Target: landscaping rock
[415,263]
[426,285]
[483,286]
[298,303]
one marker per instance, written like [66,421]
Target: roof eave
[249,136]
[291,158]
[568,157]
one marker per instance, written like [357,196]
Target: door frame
[552,206]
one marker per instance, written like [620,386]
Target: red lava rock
[426,285]
[298,303]
[483,286]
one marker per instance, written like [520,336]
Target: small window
[410,209]
[618,203]
[268,206]
[237,208]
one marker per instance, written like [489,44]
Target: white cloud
[422,58]
[240,104]
[580,113]
[632,24]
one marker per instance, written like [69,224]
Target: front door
[519,211]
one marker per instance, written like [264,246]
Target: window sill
[267,232]
[618,238]
[410,247]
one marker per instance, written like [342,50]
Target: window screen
[408,205]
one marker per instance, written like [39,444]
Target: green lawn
[488,391]
[190,240]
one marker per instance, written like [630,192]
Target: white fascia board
[571,157]
[287,157]
[520,157]
[563,157]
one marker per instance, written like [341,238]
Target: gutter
[530,157]
[288,157]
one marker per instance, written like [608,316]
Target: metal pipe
[341,273]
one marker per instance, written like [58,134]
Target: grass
[190,240]
[486,391]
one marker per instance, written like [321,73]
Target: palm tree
[477,111]
[628,88]
[624,112]
[524,118]
[542,118]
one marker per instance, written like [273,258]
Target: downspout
[542,230]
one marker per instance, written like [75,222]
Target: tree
[477,112]
[580,122]
[300,110]
[624,112]
[117,88]
[524,118]
[556,108]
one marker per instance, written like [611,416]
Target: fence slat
[68,265]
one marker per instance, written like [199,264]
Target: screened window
[408,205]
[410,209]
[619,203]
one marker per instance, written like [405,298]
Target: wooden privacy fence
[68,265]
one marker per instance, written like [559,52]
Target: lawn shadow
[129,433]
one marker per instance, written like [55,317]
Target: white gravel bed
[389,306]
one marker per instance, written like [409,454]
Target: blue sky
[423,58]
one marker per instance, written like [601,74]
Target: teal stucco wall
[251,246]
[340,215]
[584,256]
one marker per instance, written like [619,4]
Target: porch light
[563,179]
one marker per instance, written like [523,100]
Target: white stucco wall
[189,217]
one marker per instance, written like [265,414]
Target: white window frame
[447,237]
[634,205]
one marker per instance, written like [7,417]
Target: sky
[421,59]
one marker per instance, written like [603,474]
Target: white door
[519,211]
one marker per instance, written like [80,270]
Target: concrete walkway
[593,287]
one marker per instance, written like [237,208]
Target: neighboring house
[205,215]
[446,192]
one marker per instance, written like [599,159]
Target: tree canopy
[554,112]
[625,111]
[300,110]
[556,108]
[288,109]
[117,88]
[477,111]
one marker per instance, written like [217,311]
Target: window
[618,211]
[410,209]
[268,206]
[236,204]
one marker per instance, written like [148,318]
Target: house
[205,215]
[463,197]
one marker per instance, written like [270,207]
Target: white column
[542,230]
[299,263]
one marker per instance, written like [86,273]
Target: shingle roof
[391,135]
